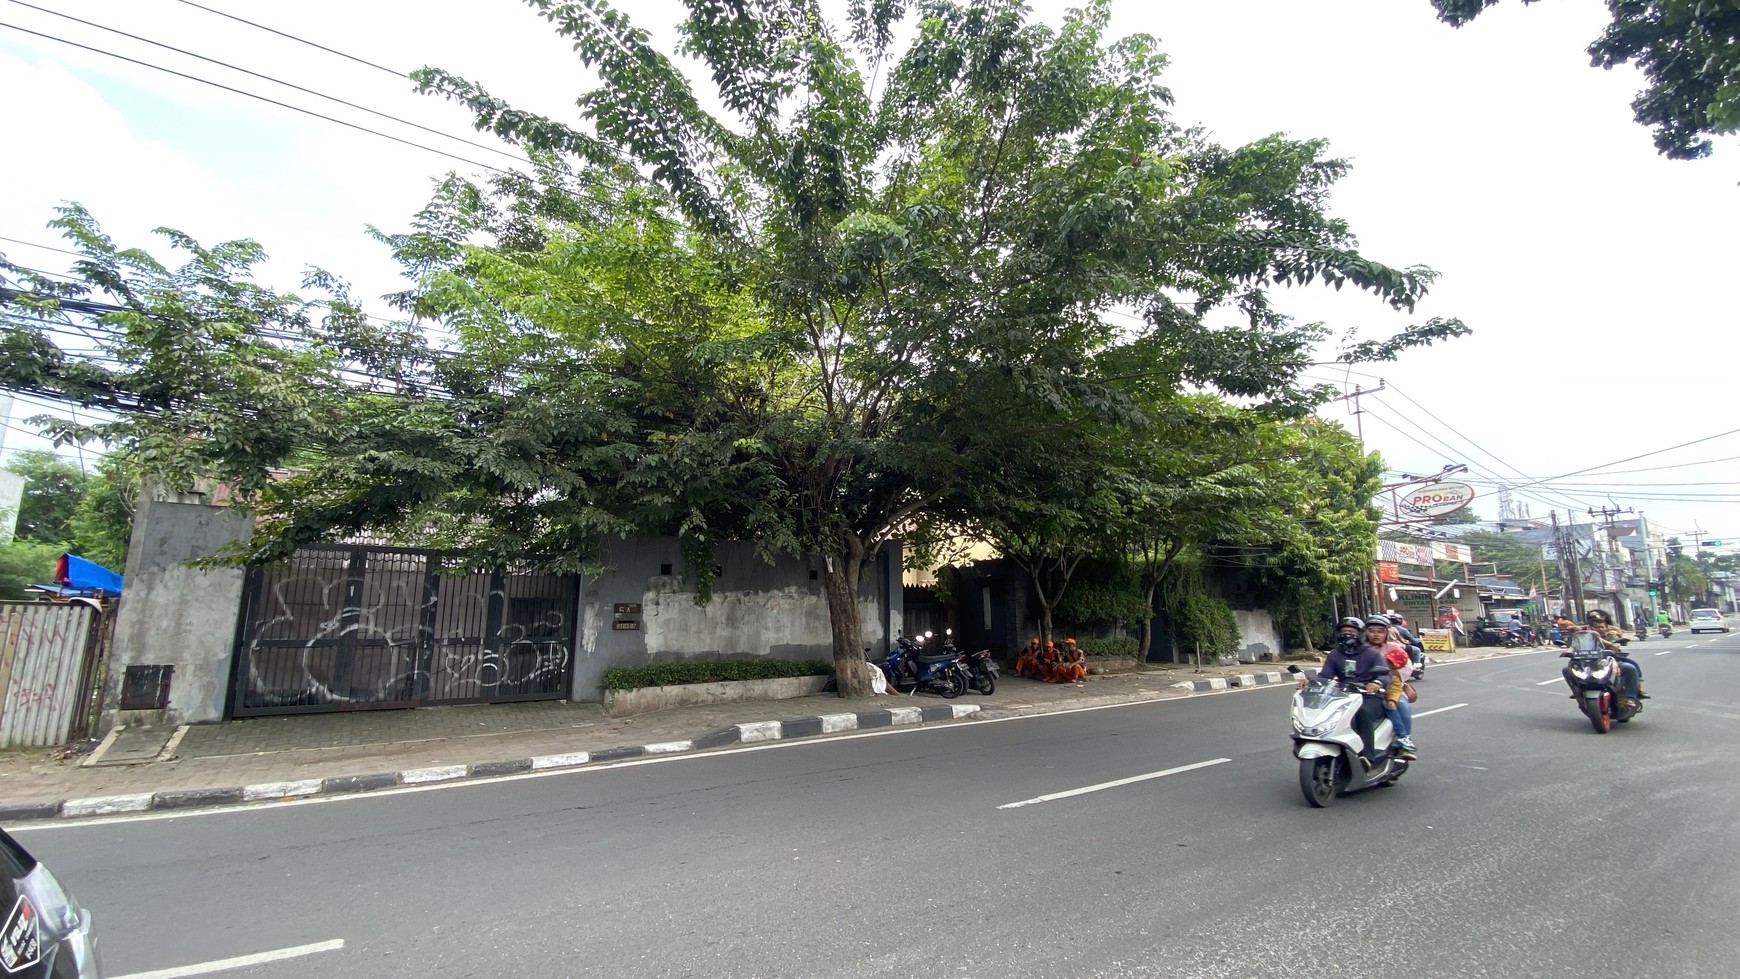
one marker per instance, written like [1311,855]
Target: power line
[277,81]
[299,40]
[1572,491]
[252,95]
[46,248]
[1641,455]
[1453,453]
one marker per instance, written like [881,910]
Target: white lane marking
[1429,713]
[1556,679]
[239,962]
[1084,790]
[1664,652]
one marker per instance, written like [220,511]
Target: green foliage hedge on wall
[709,671]
[1125,646]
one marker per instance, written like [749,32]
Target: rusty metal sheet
[44,667]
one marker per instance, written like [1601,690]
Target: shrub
[1124,646]
[709,671]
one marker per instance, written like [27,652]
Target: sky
[1597,276]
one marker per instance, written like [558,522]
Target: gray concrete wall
[1258,637]
[757,609]
[175,615]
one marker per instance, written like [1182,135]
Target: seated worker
[1071,667]
[1027,664]
[1048,660]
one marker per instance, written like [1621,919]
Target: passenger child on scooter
[1396,705]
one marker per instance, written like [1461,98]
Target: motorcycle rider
[1407,640]
[1359,659]
[1602,625]
[1516,628]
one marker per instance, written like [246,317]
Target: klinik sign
[1436,500]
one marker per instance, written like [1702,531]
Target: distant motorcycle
[1665,630]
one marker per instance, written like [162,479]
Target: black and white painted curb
[1230,682]
[751,733]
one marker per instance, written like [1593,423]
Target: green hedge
[1108,647]
[709,671]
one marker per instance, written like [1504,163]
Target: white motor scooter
[1328,747]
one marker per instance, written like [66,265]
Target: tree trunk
[1145,633]
[841,584]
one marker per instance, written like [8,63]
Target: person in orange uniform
[1027,664]
[1072,667]
[1049,658]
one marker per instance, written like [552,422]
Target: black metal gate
[342,627]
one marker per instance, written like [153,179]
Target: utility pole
[1609,516]
[1568,559]
[1358,422]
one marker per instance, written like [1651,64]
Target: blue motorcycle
[911,667]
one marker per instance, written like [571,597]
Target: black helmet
[1351,623]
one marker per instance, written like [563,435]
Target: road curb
[1236,682]
[184,800]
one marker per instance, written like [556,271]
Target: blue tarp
[74,577]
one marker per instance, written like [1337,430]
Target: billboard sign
[1436,500]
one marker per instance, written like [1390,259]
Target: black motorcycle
[1598,683]
[982,671]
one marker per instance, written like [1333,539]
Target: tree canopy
[867,285]
[1689,52]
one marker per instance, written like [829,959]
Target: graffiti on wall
[342,629]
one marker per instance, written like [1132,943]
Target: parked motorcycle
[1328,748]
[1597,682]
[910,667]
[982,671]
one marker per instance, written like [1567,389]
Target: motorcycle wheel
[987,684]
[1602,717]
[950,685]
[1318,782]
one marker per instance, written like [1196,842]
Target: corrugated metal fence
[48,655]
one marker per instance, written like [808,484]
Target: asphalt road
[1523,844]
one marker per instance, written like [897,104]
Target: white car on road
[1707,620]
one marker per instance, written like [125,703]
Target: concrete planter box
[1112,664]
[623,703]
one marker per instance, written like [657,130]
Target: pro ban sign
[1437,500]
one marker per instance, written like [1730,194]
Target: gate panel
[536,636]
[46,651]
[351,628]
[461,621]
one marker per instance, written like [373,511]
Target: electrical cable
[253,95]
[298,40]
[279,81]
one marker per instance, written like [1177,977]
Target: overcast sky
[1597,276]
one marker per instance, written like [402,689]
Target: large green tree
[914,227]
[1689,52]
[804,319]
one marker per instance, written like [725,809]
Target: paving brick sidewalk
[368,745]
